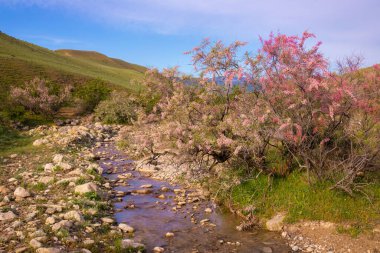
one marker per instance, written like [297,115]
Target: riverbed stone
[276,223]
[158,249]
[6,216]
[87,187]
[21,192]
[126,228]
[73,215]
[35,244]
[49,250]
[129,243]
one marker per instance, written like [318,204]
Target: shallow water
[153,217]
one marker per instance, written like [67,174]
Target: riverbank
[314,218]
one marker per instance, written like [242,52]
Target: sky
[156,33]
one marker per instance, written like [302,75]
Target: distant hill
[94,56]
[20,61]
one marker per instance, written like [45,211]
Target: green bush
[91,93]
[119,108]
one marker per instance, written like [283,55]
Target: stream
[161,207]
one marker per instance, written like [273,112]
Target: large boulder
[276,223]
[87,187]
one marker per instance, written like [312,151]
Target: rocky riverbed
[73,191]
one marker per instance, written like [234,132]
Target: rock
[61,224]
[87,187]
[88,241]
[65,166]
[7,216]
[21,193]
[142,191]
[295,248]
[46,180]
[130,244]
[49,250]
[4,190]
[21,250]
[40,142]
[50,220]
[58,158]
[146,186]
[208,210]
[73,215]
[125,176]
[275,223]
[107,220]
[12,156]
[165,189]
[126,228]
[162,196]
[35,244]
[48,167]
[267,250]
[158,249]
[169,234]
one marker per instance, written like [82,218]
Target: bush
[91,93]
[40,97]
[119,109]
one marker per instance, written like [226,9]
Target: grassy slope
[302,201]
[20,60]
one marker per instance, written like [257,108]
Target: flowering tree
[38,97]
[279,109]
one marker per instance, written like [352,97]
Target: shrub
[40,96]
[91,93]
[119,108]
[278,110]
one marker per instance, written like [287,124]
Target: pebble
[126,228]
[169,234]
[158,249]
[20,192]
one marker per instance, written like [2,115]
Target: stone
[48,167]
[275,223]
[35,244]
[87,187]
[49,250]
[107,220]
[125,175]
[146,186]
[58,158]
[21,250]
[46,180]
[62,224]
[208,210]
[126,228]
[88,241]
[169,234]
[65,166]
[21,193]
[4,190]
[158,249]
[73,215]
[295,248]
[50,220]
[131,244]
[267,250]
[142,191]
[7,216]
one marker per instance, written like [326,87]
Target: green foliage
[119,108]
[91,196]
[92,92]
[39,187]
[300,200]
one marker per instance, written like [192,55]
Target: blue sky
[155,33]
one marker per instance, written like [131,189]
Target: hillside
[21,61]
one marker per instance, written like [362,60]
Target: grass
[11,142]
[301,201]
[20,61]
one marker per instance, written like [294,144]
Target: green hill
[21,61]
